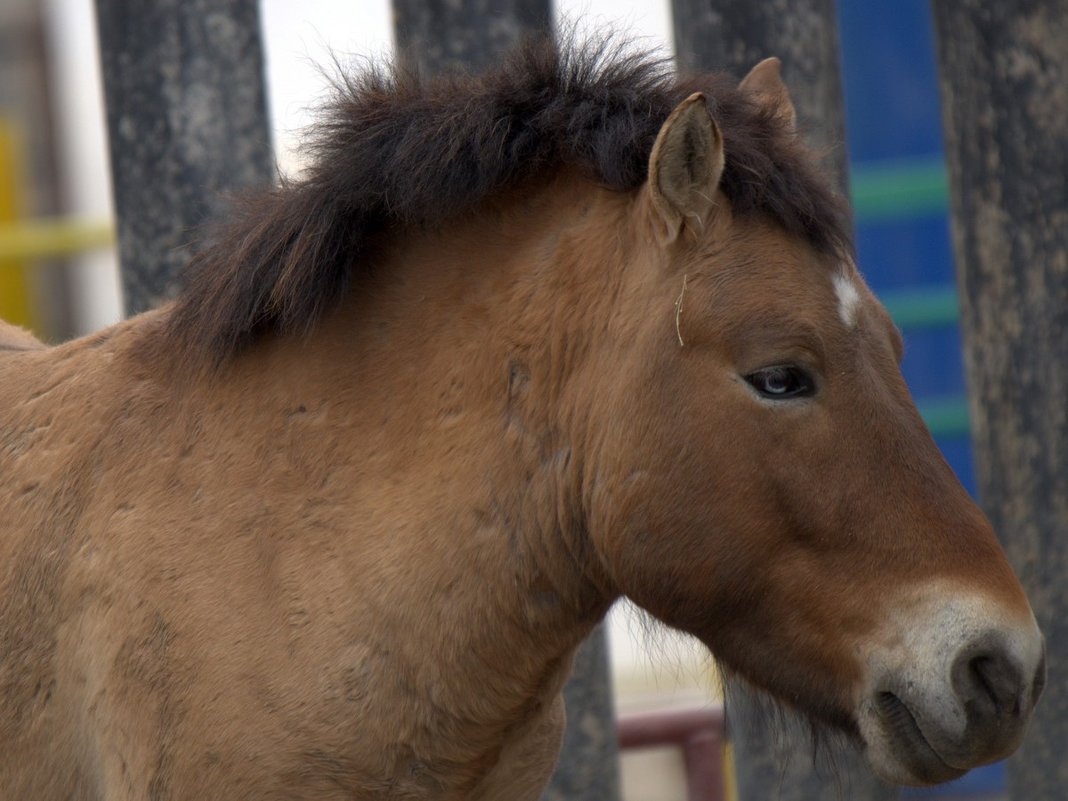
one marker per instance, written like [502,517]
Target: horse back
[14,338]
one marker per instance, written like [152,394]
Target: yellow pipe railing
[48,238]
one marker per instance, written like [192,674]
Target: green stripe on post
[933,307]
[899,189]
[946,417]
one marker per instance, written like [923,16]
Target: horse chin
[826,727]
[897,749]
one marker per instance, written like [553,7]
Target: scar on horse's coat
[678,312]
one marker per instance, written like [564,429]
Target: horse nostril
[990,677]
[1000,682]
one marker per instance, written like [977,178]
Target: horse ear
[685,167]
[765,82]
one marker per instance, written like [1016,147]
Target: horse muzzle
[950,694]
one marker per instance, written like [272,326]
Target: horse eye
[782,382]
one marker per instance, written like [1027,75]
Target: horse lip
[910,744]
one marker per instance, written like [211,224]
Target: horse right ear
[765,83]
[684,169]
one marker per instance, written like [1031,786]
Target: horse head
[778,494]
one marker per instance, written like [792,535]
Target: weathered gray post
[733,35]
[435,36]
[1004,81]
[775,761]
[187,121]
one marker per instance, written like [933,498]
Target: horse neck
[449,432]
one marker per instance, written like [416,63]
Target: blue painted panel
[890,78]
[958,452]
[980,783]
[932,364]
[904,252]
[893,113]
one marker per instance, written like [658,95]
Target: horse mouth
[909,744]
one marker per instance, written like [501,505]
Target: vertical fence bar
[776,762]
[1004,73]
[733,35]
[588,769]
[436,36]
[187,123]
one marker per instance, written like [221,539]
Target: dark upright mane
[392,150]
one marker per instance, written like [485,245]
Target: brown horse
[333,523]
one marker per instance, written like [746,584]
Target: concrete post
[187,123]
[733,35]
[588,769]
[777,761]
[435,36]
[1004,75]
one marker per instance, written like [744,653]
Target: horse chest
[356,725]
[527,760]
[447,761]
[434,767]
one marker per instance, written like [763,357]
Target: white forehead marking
[848,298]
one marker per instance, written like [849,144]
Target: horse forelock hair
[392,149]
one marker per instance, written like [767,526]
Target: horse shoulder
[56,406]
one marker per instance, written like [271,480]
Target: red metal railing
[698,732]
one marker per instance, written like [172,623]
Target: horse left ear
[766,84]
[684,168]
